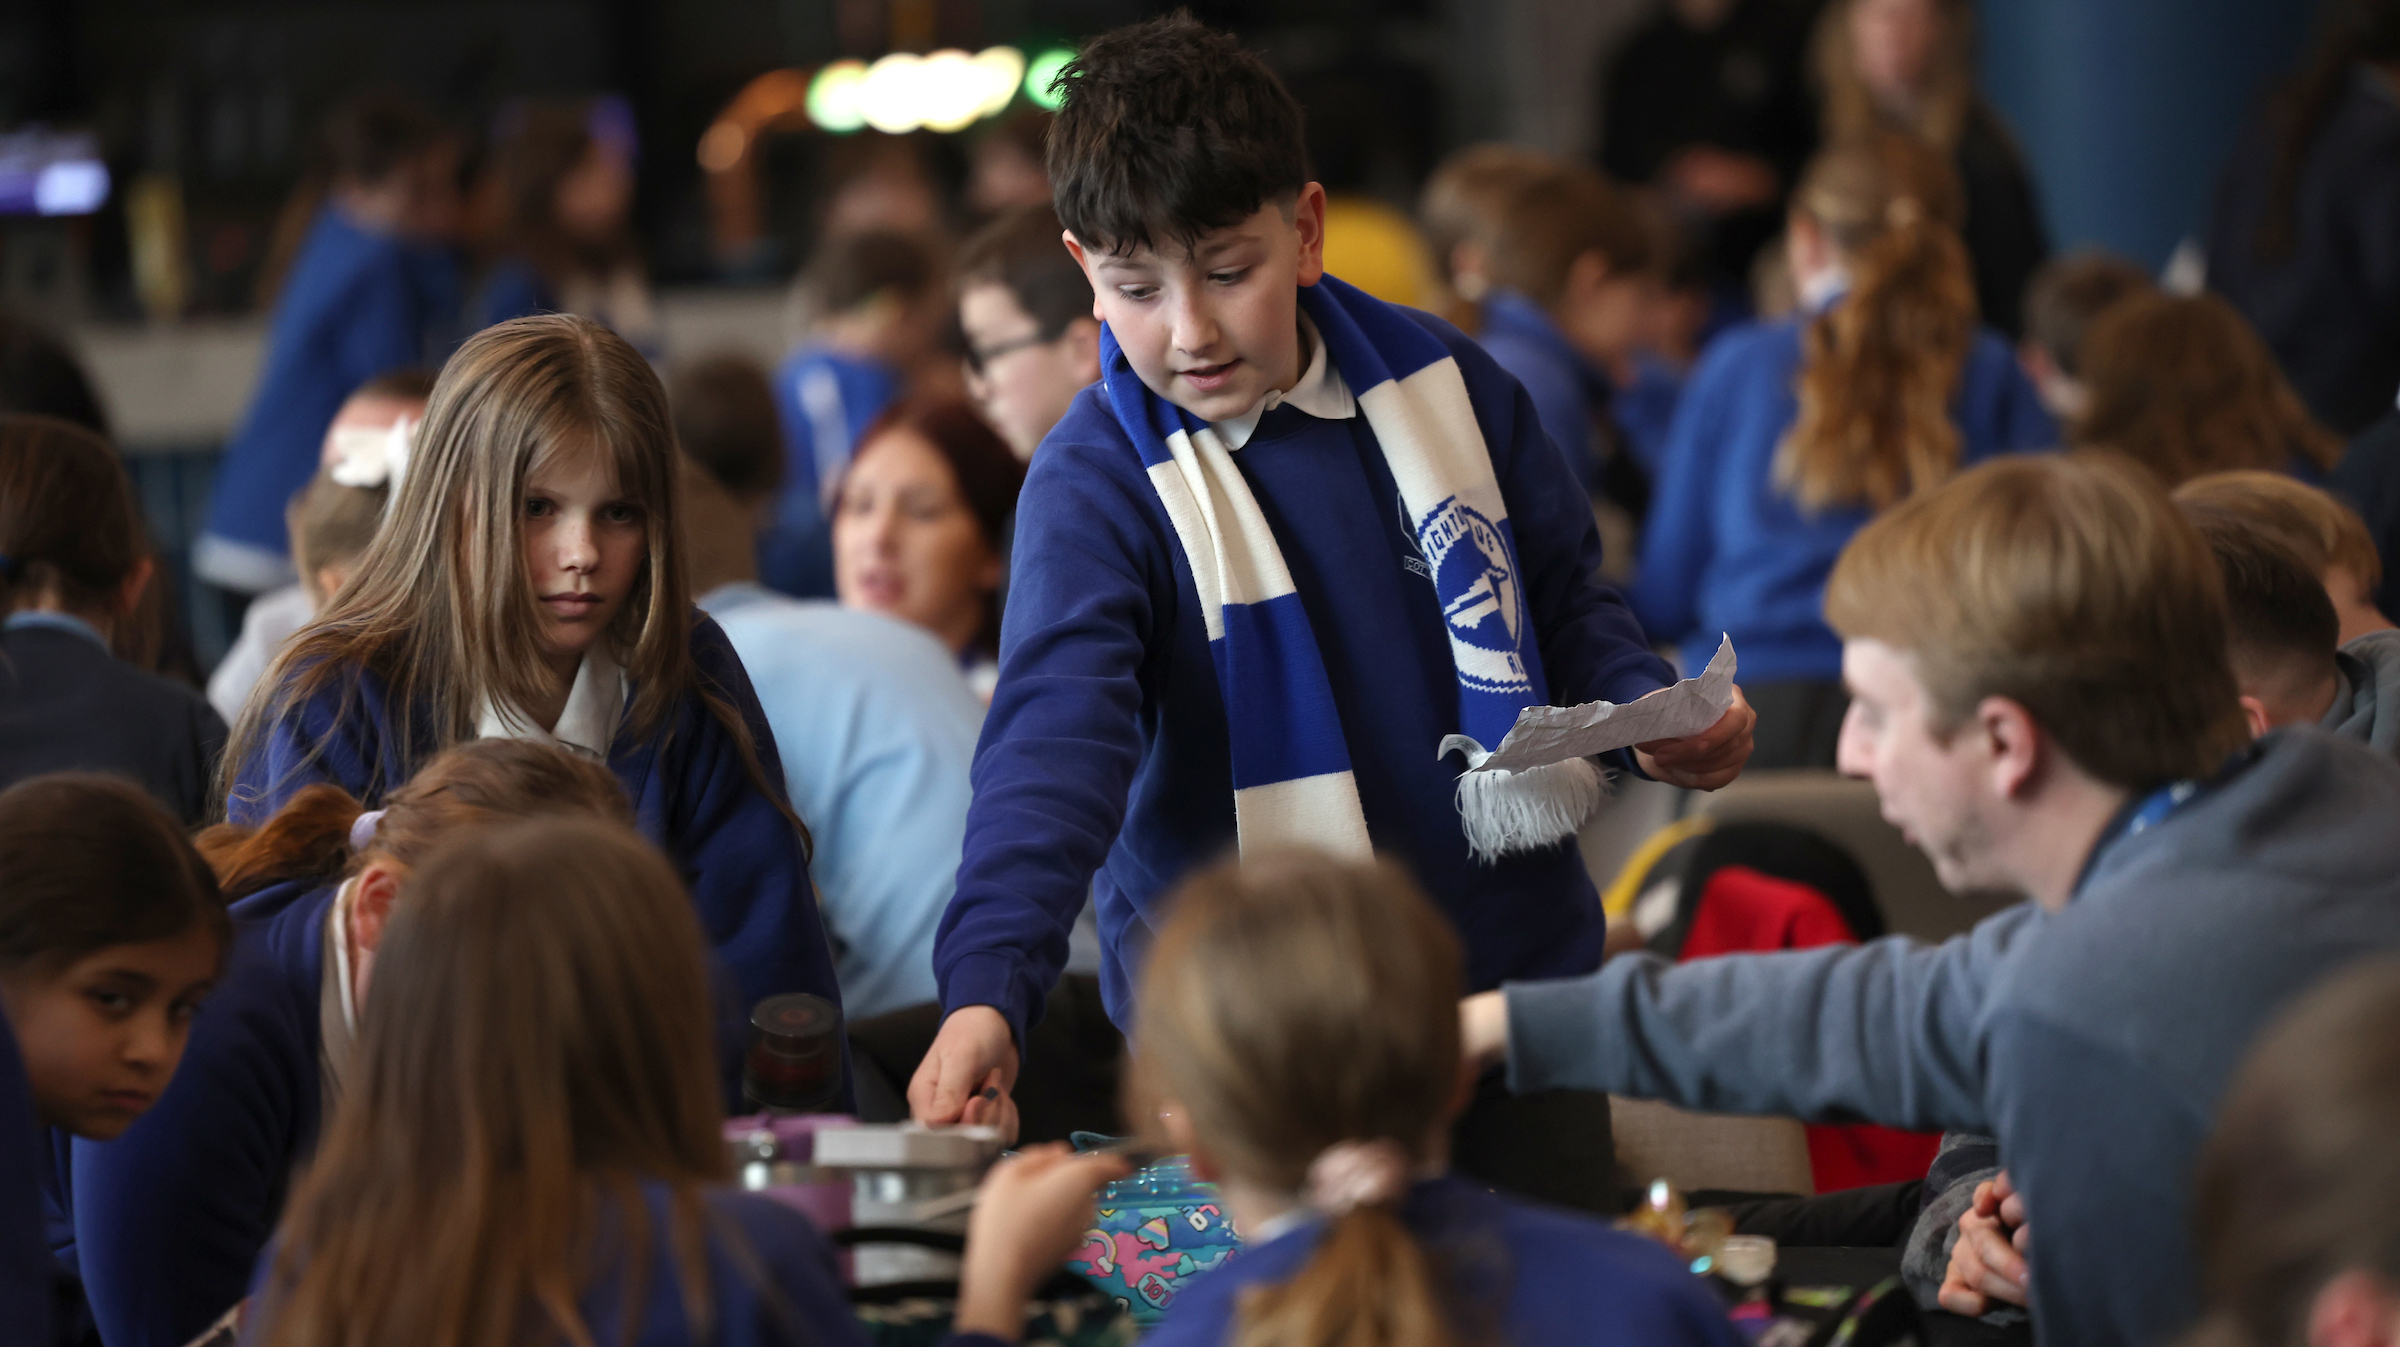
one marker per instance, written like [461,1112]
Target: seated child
[1460,207]
[1571,290]
[2297,1209]
[372,289]
[1323,1106]
[1026,311]
[73,566]
[172,1217]
[2282,630]
[112,930]
[528,584]
[1793,432]
[2182,385]
[872,716]
[2323,532]
[2061,301]
[331,522]
[876,303]
[1293,541]
[529,1146]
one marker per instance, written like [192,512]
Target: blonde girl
[1323,1106]
[1791,433]
[527,584]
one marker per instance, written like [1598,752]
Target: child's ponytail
[1369,1283]
[321,834]
[1329,1088]
[306,842]
[1881,366]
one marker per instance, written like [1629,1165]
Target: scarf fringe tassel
[1506,812]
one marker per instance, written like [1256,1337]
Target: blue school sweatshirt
[1105,749]
[170,1216]
[357,304]
[1570,395]
[772,1281]
[1725,549]
[826,399]
[1645,409]
[27,1273]
[691,795]
[2094,1041]
[1540,1275]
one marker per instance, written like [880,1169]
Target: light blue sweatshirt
[877,730]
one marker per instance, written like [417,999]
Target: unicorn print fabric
[1291,767]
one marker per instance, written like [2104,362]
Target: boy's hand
[1706,760]
[1987,1263]
[968,1074]
[1031,1215]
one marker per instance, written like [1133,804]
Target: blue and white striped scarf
[1291,766]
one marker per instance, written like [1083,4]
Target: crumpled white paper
[1548,734]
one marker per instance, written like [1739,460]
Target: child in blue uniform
[1294,539]
[879,304]
[171,1217]
[73,570]
[373,289]
[112,930]
[1322,1105]
[528,1145]
[1570,263]
[1791,433]
[528,584]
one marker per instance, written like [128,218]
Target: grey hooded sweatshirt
[2369,683]
[2093,1041]
[2366,705]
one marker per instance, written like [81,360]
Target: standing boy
[1293,540]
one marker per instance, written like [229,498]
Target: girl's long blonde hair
[1292,1002]
[535,1045]
[1882,365]
[440,607]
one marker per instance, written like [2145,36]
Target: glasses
[980,358]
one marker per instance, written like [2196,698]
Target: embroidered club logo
[1482,603]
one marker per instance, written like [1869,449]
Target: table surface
[1864,1267]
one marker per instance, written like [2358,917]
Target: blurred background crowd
[770,176]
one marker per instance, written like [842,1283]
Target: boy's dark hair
[373,135]
[2067,293]
[2281,627]
[1021,251]
[852,269]
[1549,221]
[1167,130]
[725,422]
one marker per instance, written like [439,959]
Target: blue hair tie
[362,833]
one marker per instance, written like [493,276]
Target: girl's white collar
[588,725]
